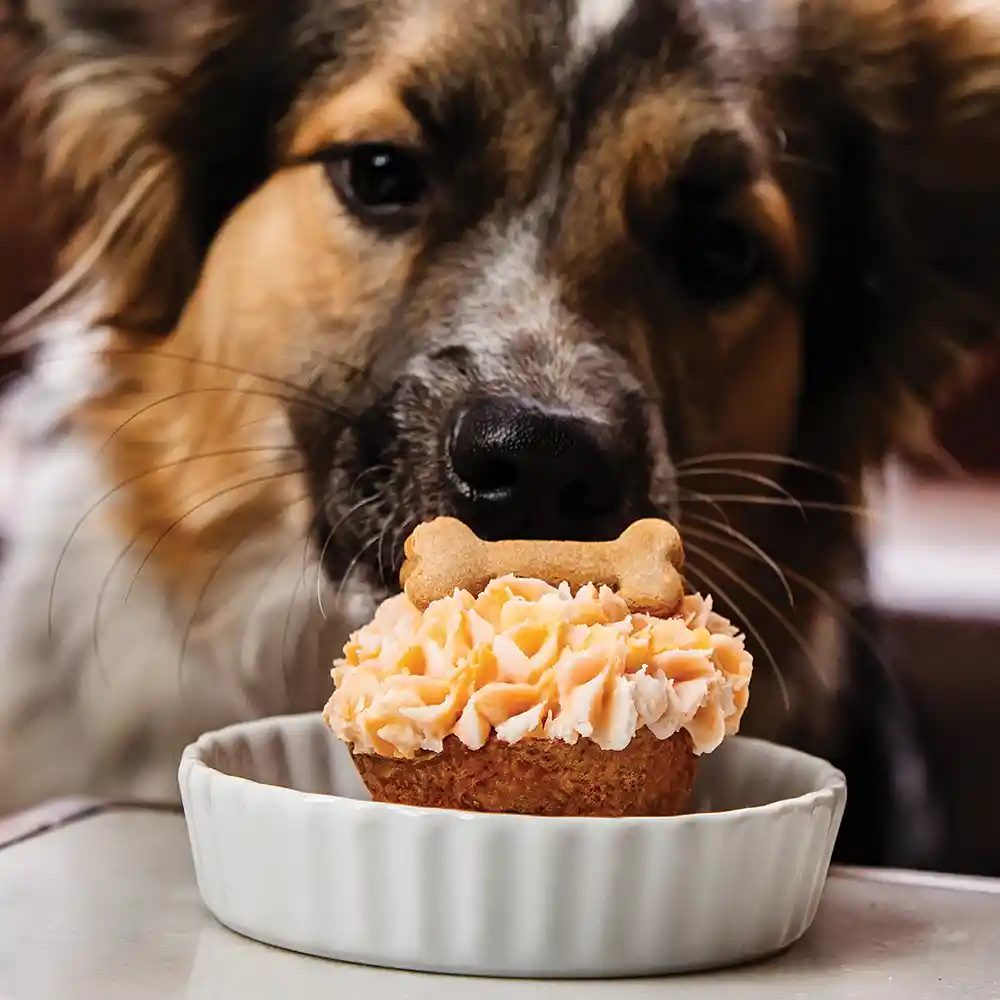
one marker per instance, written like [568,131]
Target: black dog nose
[519,471]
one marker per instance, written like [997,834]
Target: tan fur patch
[367,111]
[195,426]
[773,216]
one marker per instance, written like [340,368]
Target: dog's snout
[519,471]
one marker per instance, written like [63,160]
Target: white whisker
[697,497]
[837,607]
[782,619]
[380,553]
[750,499]
[745,543]
[758,638]
[331,535]
[763,457]
[352,565]
[750,476]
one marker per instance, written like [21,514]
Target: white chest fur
[104,677]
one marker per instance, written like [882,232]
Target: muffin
[531,697]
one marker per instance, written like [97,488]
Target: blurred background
[935,568]
[935,542]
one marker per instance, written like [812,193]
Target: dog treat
[481,689]
[642,564]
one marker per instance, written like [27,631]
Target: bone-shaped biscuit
[642,564]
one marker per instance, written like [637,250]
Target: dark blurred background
[935,539]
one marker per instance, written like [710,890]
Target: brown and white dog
[548,265]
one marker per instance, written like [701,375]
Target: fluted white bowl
[289,850]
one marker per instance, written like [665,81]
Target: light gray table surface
[105,907]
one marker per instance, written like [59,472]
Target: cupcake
[533,697]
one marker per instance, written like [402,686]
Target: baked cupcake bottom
[540,777]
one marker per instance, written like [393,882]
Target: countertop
[105,906]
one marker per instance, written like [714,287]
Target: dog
[544,265]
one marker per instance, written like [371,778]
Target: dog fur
[240,388]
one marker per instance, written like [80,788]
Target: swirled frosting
[525,660]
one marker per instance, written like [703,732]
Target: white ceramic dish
[288,850]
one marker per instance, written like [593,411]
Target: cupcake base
[540,777]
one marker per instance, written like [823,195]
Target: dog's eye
[378,182]
[717,260]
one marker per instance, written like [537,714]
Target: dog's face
[522,260]
[561,257]
[536,254]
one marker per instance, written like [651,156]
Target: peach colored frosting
[525,660]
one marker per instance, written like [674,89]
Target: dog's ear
[897,106]
[127,99]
